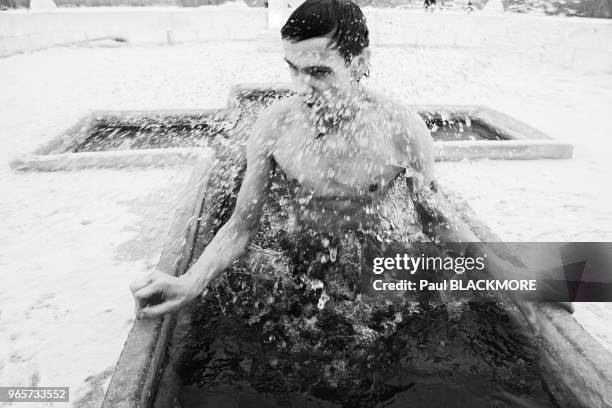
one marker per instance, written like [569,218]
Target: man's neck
[351,98]
[343,104]
[329,115]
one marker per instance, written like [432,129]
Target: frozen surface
[71,242]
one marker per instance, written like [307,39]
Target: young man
[340,144]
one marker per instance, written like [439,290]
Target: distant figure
[430,5]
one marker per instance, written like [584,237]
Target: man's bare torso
[338,175]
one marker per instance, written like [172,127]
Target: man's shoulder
[392,106]
[405,117]
[273,116]
[269,124]
[279,108]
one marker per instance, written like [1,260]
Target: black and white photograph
[306,203]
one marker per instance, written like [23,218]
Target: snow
[71,242]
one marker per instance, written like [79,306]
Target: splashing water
[283,328]
[287,325]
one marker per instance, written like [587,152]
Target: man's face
[319,73]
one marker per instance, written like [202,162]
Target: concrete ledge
[587,371]
[502,150]
[109,159]
[138,369]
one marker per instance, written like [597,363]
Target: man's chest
[358,154]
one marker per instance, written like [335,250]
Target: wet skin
[338,175]
[341,145]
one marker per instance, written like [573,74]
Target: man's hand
[159,293]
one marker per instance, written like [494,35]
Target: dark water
[272,331]
[142,131]
[154,132]
[376,355]
[458,128]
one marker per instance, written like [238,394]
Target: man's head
[326,46]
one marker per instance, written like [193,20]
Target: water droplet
[333,252]
[323,300]
[316,284]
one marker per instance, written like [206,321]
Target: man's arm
[437,215]
[227,245]
[233,238]
[439,219]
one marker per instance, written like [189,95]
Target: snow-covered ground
[71,242]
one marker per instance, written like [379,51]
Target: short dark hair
[342,19]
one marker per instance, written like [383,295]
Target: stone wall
[24,31]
